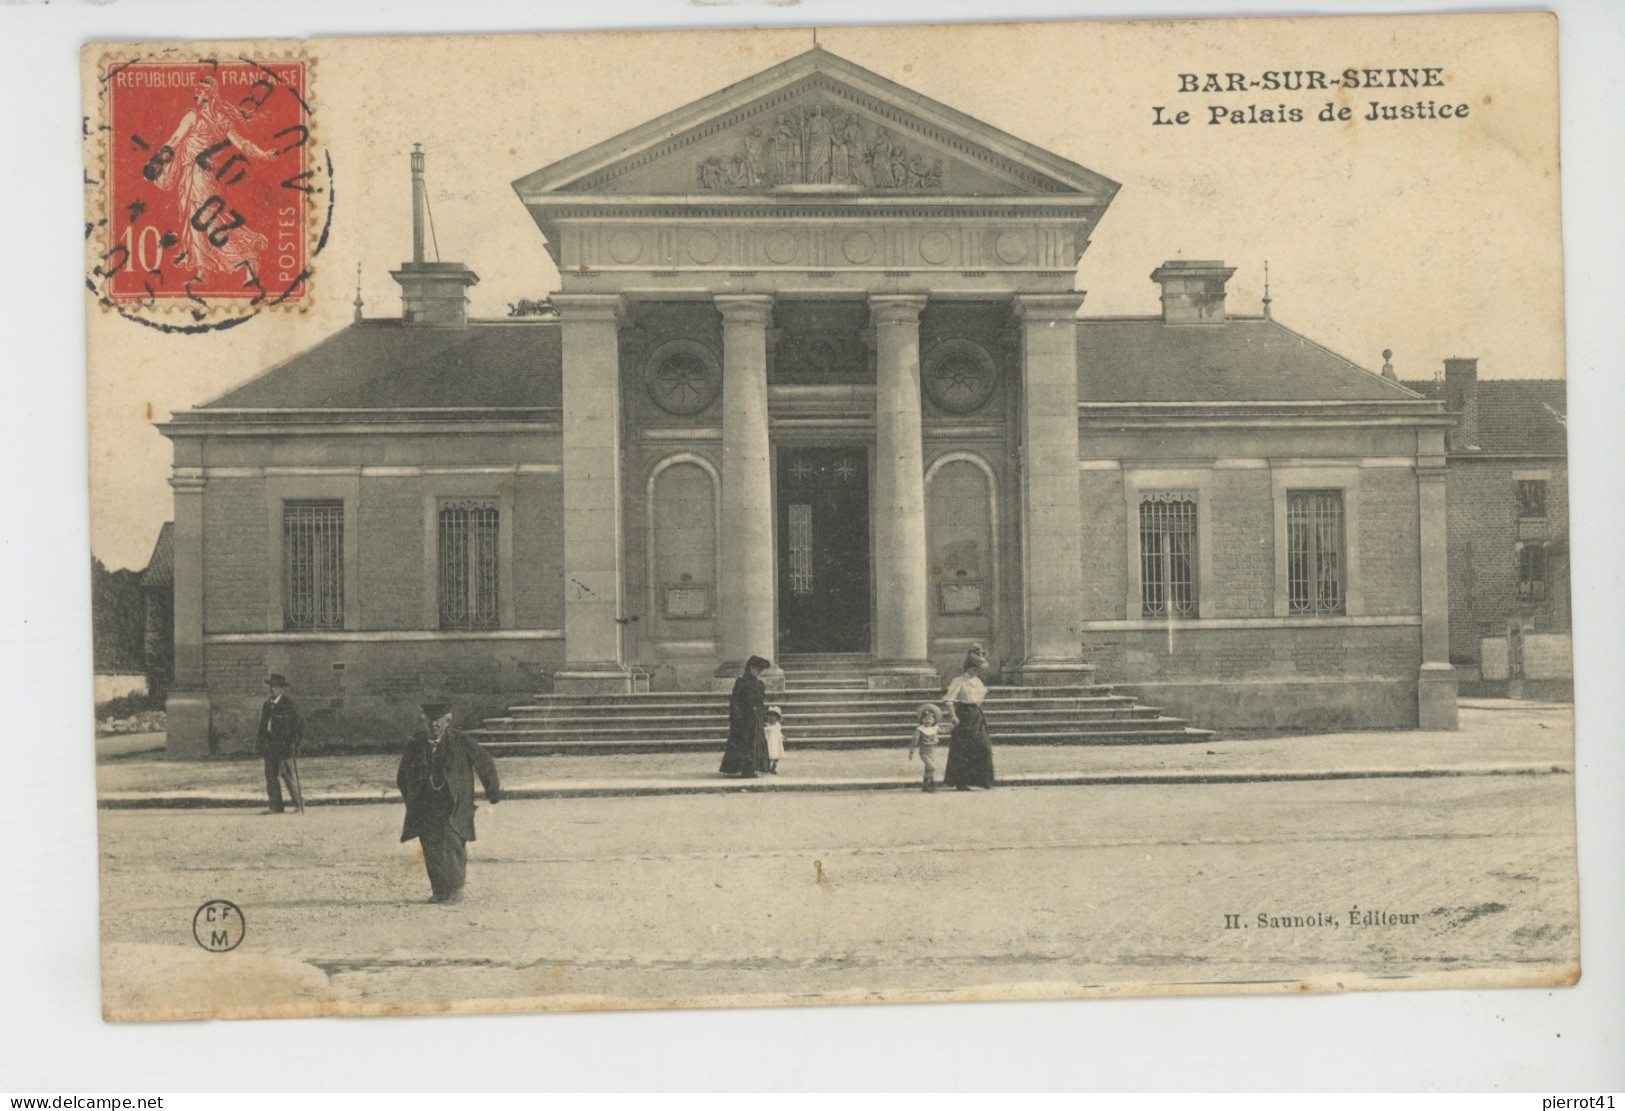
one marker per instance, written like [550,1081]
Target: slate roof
[160,570]
[1143,359]
[385,364]
[1516,416]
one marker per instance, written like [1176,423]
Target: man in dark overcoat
[277,741]
[746,752]
[436,779]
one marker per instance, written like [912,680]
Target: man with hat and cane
[277,741]
[436,779]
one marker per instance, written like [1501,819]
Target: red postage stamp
[209,185]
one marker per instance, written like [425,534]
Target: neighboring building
[1508,529]
[815,383]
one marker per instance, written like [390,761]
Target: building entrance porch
[823,549]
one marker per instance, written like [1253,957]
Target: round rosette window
[959,376]
[683,377]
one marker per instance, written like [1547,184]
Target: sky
[1430,238]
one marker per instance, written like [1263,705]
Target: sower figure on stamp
[746,752]
[277,742]
[436,779]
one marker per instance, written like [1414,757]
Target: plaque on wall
[960,597]
[688,600]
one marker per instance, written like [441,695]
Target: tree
[118,618]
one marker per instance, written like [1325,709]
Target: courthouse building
[816,382]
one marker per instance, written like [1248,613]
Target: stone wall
[1242,662]
[360,686]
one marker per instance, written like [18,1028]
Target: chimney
[1192,290]
[431,292]
[1461,398]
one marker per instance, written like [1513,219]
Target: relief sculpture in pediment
[819,146]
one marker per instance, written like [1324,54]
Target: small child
[773,728]
[925,739]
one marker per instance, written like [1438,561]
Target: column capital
[1047,308]
[1431,472]
[745,308]
[574,307]
[895,308]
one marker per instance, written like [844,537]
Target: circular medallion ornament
[683,377]
[781,247]
[703,247]
[935,247]
[858,247]
[625,246]
[1010,247]
[959,376]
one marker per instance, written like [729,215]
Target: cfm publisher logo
[219,926]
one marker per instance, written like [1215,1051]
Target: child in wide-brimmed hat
[925,740]
[773,729]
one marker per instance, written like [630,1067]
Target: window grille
[1532,572]
[468,563]
[1531,497]
[800,549]
[1168,555]
[313,564]
[1314,557]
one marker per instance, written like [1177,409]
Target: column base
[595,679]
[1049,671]
[1436,691]
[897,675]
[187,716]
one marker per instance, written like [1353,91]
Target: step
[1059,711]
[820,723]
[834,731]
[505,745]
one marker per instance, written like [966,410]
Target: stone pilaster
[186,708]
[902,621]
[1436,685]
[1051,516]
[592,494]
[746,593]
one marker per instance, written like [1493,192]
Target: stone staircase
[827,704]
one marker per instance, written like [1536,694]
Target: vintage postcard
[891,514]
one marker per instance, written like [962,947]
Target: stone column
[186,707]
[902,622]
[1436,684]
[1051,516]
[746,593]
[592,494]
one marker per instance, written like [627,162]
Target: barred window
[1314,551]
[1532,572]
[468,563]
[1168,555]
[801,575]
[1531,497]
[313,564]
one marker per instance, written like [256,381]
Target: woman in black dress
[746,754]
[970,751]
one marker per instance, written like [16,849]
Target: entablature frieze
[1017,243]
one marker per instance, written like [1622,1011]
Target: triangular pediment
[816,124]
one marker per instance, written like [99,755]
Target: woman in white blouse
[970,751]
